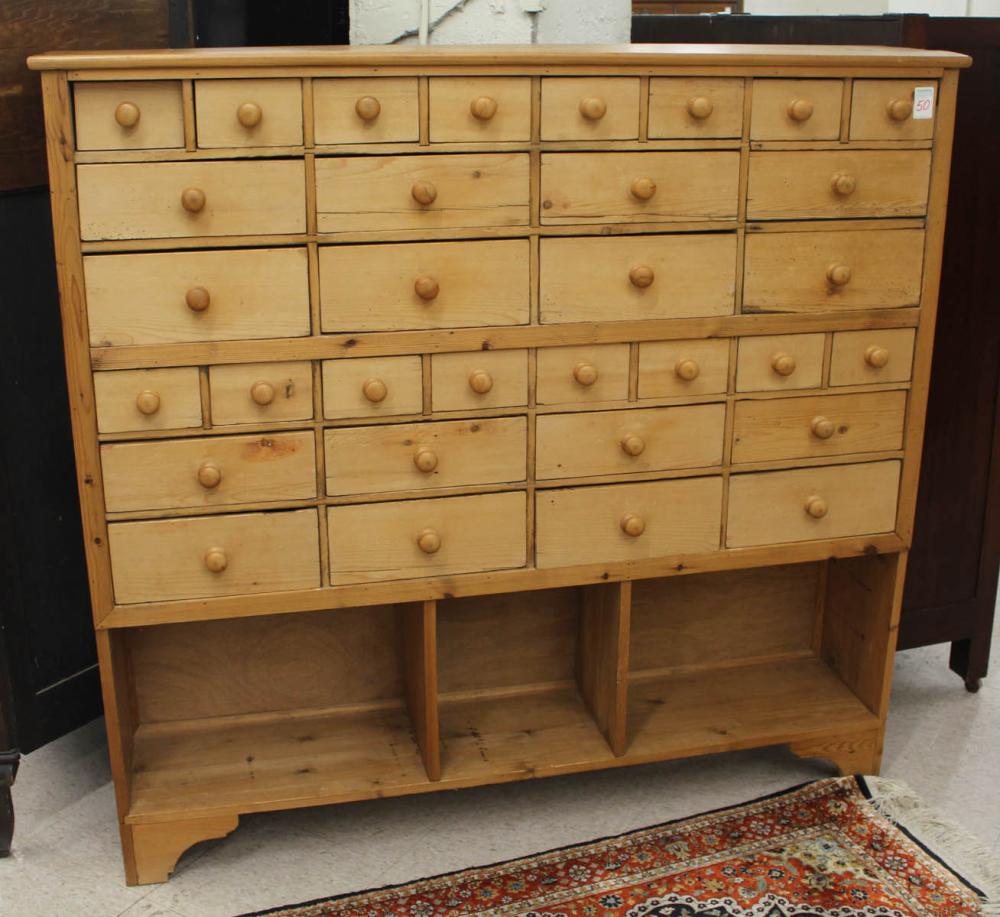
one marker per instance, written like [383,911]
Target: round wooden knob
[876,356]
[198,299]
[633,524]
[687,370]
[593,108]
[209,475]
[429,541]
[900,109]
[147,402]
[249,114]
[700,107]
[783,364]
[424,192]
[632,444]
[643,188]
[585,373]
[426,287]
[822,427]
[262,392]
[817,507]
[215,560]
[641,276]
[800,109]
[127,114]
[843,183]
[480,381]
[483,108]
[425,459]
[374,390]
[838,274]
[368,108]
[193,200]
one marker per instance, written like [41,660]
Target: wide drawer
[796,109]
[774,362]
[670,369]
[210,471]
[238,113]
[585,374]
[418,538]
[162,200]
[590,108]
[629,441]
[806,504]
[788,428]
[478,109]
[365,193]
[147,399]
[834,183]
[373,387]
[164,298]
[883,110]
[136,115]
[366,110]
[261,392]
[637,277]
[862,357]
[423,456]
[424,285]
[170,559]
[830,271]
[689,107]
[479,379]
[627,522]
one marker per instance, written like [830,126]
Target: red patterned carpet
[821,850]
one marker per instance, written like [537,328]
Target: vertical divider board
[416,626]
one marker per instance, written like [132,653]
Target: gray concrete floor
[943,741]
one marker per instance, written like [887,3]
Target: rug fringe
[962,851]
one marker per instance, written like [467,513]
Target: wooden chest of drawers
[455,416]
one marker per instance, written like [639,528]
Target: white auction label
[923,103]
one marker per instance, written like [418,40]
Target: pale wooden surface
[232,402]
[217,103]
[160,124]
[451,374]
[670,117]
[556,377]
[337,120]
[343,383]
[870,120]
[771,98]
[562,119]
[175,390]
[659,361]
[451,118]
[754,370]
[848,365]
[417,642]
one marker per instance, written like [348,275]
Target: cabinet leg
[151,851]
[8,770]
[858,753]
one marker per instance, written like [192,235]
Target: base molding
[857,753]
[152,850]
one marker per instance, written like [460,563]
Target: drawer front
[883,110]
[670,369]
[149,200]
[470,109]
[774,362]
[623,522]
[831,271]
[789,428]
[372,387]
[214,555]
[423,456]
[210,471]
[416,538]
[831,183]
[807,504]
[378,193]
[862,357]
[697,106]
[637,277]
[639,187]
[261,392]
[165,298]
[480,379]
[796,109]
[582,375]
[590,108]
[362,110]
[629,441]
[147,399]
[235,113]
[136,115]
[424,285]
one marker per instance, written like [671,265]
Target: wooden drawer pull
[687,370]
[875,356]
[783,364]
[643,188]
[593,108]
[147,402]
[425,459]
[641,276]
[800,110]
[633,525]
[585,373]
[249,114]
[209,475]
[843,183]
[127,114]
[424,192]
[368,108]
[817,507]
[198,299]
[374,390]
[632,444]
[700,107]
[429,541]
[838,274]
[215,560]
[480,381]
[483,108]
[262,392]
[193,200]
[822,427]
[426,287]
[900,109]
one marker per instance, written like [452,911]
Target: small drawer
[690,107]
[424,456]
[790,428]
[235,113]
[479,379]
[261,392]
[796,109]
[628,442]
[161,200]
[776,362]
[590,108]
[862,357]
[883,110]
[637,277]
[670,369]
[580,375]
[174,297]
[372,387]
[366,110]
[833,271]
[210,471]
[418,538]
[470,109]
[402,286]
[627,522]
[639,187]
[147,399]
[450,191]
[807,504]
[171,559]
[141,115]
[824,184]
